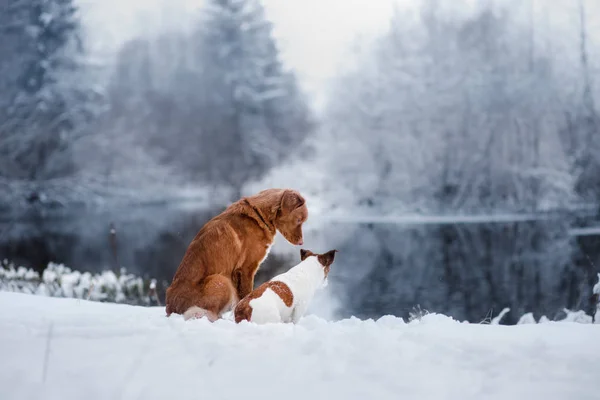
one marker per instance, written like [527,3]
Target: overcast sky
[315,35]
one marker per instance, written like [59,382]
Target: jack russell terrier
[286,297]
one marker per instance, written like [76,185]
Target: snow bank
[72,349]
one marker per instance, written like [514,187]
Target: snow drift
[55,348]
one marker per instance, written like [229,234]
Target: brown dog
[219,265]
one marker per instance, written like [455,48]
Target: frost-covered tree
[43,96]
[214,107]
[258,114]
[449,114]
[581,132]
[117,153]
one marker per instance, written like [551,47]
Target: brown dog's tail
[242,311]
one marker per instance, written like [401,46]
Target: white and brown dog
[286,297]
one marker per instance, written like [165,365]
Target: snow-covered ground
[65,349]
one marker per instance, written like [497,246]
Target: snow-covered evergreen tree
[216,106]
[43,98]
[261,112]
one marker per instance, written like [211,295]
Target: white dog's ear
[327,258]
[304,254]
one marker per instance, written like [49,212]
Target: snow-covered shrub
[570,316]
[577,316]
[58,280]
[496,320]
[527,318]
[417,313]
[596,296]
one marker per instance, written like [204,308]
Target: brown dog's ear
[327,258]
[304,254]
[291,200]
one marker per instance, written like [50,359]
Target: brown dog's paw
[197,313]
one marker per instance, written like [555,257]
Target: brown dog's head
[285,209]
[325,259]
[292,213]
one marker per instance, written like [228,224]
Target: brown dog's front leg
[236,279]
[245,282]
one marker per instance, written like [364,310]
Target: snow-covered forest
[436,108]
[449,109]
[213,107]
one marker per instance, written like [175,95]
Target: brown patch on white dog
[243,310]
